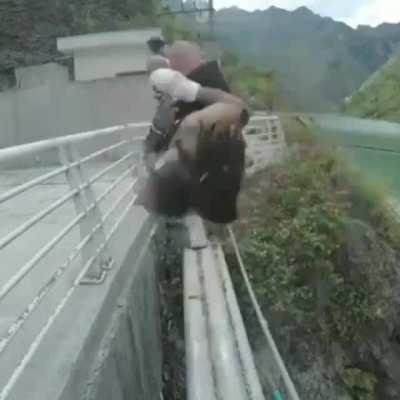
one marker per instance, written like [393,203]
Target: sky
[353,12]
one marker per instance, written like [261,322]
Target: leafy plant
[318,246]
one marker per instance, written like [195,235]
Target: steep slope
[320,61]
[379,96]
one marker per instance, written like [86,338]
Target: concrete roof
[106,39]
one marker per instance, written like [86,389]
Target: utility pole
[212,18]
[199,10]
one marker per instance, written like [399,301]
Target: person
[187,58]
[203,163]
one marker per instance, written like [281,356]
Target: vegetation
[320,60]
[174,28]
[169,256]
[260,88]
[379,97]
[322,251]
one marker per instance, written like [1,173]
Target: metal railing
[115,154]
[267,125]
[118,160]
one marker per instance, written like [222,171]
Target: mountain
[379,96]
[320,61]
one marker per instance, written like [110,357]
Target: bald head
[185,56]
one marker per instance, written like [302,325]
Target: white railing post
[135,160]
[92,224]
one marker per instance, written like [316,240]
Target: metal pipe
[30,184]
[6,390]
[48,144]
[41,215]
[38,217]
[18,323]
[114,185]
[119,200]
[11,283]
[99,153]
[105,171]
[43,178]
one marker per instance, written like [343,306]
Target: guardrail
[219,360]
[120,155]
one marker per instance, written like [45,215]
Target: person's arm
[181,88]
[208,96]
[158,137]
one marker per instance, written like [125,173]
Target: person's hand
[175,84]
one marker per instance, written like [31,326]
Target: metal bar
[39,338]
[42,145]
[116,225]
[100,279]
[11,283]
[118,201]
[199,370]
[226,362]
[99,153]
[6,390]
[4,341]
[114,185]
[43,178]
[119,220]
[38,217]
[30,184]
[263,118]
[105,171]
[78,180]
[14,328]
[246,356]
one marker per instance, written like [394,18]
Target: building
[108,54]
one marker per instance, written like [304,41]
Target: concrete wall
[46,109]
[105,62]
[30,77]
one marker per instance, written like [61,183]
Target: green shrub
[318,245]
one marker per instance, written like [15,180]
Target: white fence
[59,225]
[99,190]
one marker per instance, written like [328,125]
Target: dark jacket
[208,75]
[213,189]
[166,121]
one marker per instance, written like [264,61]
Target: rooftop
[106,39]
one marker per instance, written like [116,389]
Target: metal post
[212,19]
[135,161]
[85,202]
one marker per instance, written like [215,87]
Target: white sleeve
[175,84]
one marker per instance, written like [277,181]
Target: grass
[321,248]
[380,99]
